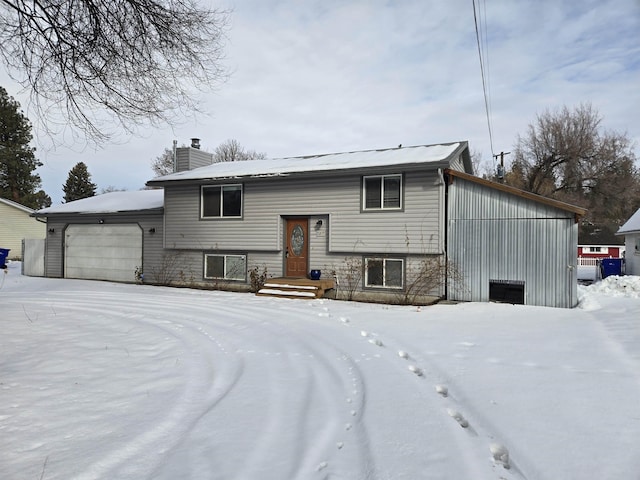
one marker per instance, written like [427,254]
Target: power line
[482,73]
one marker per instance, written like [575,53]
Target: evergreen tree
[17,158]
[78,184]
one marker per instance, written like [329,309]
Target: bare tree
[111,188]
[163,165]
[567,155]
[232,151]
[97,64]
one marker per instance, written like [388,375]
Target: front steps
[287,287]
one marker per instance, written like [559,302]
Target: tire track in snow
[209,382]
[318,420]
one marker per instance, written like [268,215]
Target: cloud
[327,76]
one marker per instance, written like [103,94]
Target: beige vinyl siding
[416,229]
[16,224]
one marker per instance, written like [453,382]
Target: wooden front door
[297,248]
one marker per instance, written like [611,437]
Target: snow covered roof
[632,225]
[110,203]
[275,167]
[16,205]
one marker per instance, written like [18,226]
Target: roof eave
[435,165]
[578,211]
[147,211]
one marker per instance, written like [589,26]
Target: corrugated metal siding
[496,236]
[417,229]
[152,248]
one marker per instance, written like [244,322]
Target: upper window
[221,201]
[382,192]
[384,272]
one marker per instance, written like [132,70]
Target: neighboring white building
[17,224]
[631,232]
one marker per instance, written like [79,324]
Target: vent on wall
[506,291]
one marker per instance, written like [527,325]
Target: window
[598,249]
[221,201]
[384,272]
[227,267]
[382,192]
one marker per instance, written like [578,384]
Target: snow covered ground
[112,381]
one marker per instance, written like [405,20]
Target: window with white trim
[226,267]
[221,201]
[382,192]
[384,272]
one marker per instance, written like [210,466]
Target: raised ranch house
[402,224]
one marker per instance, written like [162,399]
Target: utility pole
[501,166]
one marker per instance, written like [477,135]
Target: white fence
[33,257]
[588,268]
[587,262]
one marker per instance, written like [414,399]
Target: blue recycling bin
[611,266]
[4,253]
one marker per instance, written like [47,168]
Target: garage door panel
[103,252]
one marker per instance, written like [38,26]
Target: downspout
[445,219]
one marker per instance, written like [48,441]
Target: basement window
[506,291]
[225,267]
[384,272]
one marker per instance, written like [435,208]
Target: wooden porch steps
[288,287]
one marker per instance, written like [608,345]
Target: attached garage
[103,252]
[106,237]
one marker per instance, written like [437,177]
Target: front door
[297,248]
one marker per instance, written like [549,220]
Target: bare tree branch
[100,65]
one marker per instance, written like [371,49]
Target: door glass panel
[297,240]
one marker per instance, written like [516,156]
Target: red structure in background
[600,251]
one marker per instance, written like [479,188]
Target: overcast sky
[311,77]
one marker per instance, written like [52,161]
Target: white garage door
[103,252]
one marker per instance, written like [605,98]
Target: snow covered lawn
[110,381]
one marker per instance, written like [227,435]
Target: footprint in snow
[321,466]
[417,370]
[344,319]
[500,454]
[376,341]
[403,354]
[457,416]
[363,333]
[442,390]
